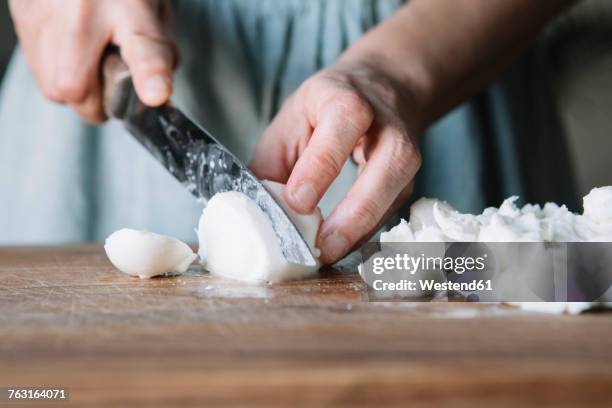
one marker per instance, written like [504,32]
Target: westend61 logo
[491,272]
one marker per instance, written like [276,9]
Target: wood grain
[69,319]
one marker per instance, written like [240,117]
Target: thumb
[151,61]
[269,160]
[280,146]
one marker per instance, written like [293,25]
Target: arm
[383,92]
[445,51]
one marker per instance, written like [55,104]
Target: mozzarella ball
[146,254]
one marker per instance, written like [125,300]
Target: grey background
[583,83]
[7,38]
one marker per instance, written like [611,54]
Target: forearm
[443,51]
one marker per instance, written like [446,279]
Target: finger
[269,161]
[338,125]
[390,169]
[44,72]
[399,201]
[78,55]
[146,47]
[151,61]
[80,85]
[41,45]
[281,144]
[91,109]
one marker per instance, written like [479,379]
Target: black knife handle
[117,84]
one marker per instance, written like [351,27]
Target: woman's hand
[351,109]
[387,88]
[64,40]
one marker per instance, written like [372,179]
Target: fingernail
[305,196]
[156,89]
[335,245]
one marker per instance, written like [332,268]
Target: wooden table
[69,319]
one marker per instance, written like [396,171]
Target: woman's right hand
[64,40]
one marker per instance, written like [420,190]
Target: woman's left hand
[351,108]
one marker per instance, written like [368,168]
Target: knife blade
[192,155]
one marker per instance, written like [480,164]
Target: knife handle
[117,87]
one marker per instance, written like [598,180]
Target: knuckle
[310,82]
[326,162]
[152,64]
[142,24]
[71,88]
[352,104]
[406,156]
[48,89]
[51,94]
[78,21]
[366,213]
[77,28]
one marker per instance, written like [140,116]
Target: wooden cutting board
[68,319]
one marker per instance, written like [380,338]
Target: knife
[196,159]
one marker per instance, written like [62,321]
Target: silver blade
[205,167]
